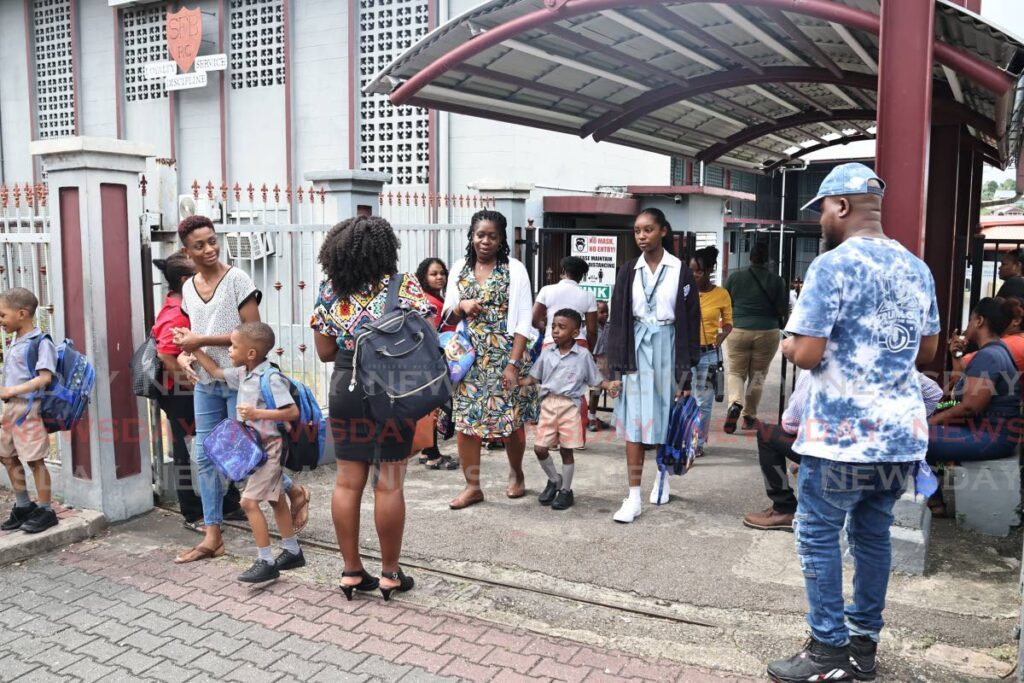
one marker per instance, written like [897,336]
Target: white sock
[291,545]
[265,554]
[548,465]
[634,494]
[593,415]
[567,472]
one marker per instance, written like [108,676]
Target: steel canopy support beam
[905,67]
[754,132]
[801,39]
[814,148]
[986,75]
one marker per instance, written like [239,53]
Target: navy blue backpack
[62,404]
[305,439]
[680,448]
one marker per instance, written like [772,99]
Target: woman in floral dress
[491,291]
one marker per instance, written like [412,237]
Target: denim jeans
[704,391]
[214,403]
[861,496]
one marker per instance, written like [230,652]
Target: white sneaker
[660,500]
[629,511]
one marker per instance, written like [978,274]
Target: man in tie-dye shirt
[867,316]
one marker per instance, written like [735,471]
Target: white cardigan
[520,297]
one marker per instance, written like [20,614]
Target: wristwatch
[517,364]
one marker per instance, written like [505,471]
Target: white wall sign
[211,62]
[155,70]
[599,251]
[186,81]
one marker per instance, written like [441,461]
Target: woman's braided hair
[359,252]
[500,223]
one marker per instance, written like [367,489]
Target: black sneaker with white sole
[41,519]
[259,572]
[816,662]
[289,560]
[563,501]
[862,657]
[549,492]
[19,515]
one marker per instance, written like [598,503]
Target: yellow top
[715,306]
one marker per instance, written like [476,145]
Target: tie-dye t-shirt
[874,302]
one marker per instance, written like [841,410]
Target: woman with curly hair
[360,258]
[491,291]
[432,274]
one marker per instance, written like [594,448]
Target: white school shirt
[567,293]
[665,296]
[520,297]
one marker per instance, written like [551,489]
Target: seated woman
[985,424]
[1012,336]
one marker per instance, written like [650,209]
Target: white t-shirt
[567,293]
[665,286]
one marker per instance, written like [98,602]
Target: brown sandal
[300,511]
[199,553]
[462,501]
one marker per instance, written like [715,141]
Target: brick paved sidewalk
[94,612]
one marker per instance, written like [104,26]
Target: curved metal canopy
[740,82]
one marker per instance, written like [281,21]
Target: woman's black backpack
[147,371]
[399,362]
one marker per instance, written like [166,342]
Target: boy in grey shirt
[23,438]
[250,344]
[564,373]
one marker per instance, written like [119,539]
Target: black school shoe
[549,493]
[288,560]
[19,515]
[563,501]
[731,416]
[816,662]
[259,572]
[862,656]
[41,519]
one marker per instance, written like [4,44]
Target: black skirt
[357,436]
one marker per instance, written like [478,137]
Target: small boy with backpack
[564,373]
[250,344]
[23,436]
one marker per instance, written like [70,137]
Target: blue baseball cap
[846,179]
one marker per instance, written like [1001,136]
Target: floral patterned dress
[483,408]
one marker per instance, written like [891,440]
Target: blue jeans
[704,391]
[985,440]
[214,403]
[861,496]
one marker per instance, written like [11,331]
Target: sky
[1008,15]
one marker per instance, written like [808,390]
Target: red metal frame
[971,67]
[814,148]
[72,277]
[940,253]
[905,72]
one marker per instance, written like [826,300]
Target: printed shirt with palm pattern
[344,318]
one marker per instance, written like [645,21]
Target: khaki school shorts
[560,425]
[28,441]
[265,483]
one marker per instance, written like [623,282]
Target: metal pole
[782,221]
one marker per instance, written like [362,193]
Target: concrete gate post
[94,186]
[509,200]
[350,192]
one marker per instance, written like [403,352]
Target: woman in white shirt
[491,291]
[653,343]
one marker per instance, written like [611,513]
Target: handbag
[235,449]
[423,437]
[458,352]
[445,424]
[147,370]
[716,377]
[781,319]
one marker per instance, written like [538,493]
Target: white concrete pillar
[350,192]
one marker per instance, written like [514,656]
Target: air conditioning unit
[203,206]
[249,245]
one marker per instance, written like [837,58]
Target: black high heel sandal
[405,584]
[369,583]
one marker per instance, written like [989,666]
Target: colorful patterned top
[344,318]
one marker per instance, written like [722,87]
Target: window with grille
[392,139]
[257,43]
[714,176]
[54,68]
[144,36]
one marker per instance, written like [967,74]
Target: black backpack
[399,362]
[147,371]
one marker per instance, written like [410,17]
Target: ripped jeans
[862,497]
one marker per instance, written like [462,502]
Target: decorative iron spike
[49,308]
[29,198]
[263,192]
[302,284]
[42,269]
[391,199]
[299,194]
[4,194]
[312,192]
[209,190]
[195,189]
[277,194]
[323,195]
[223,191]
[279,350]
[238,192]
[17,196]
[302,348]
[251,191]
[278,285]
[407,199]
[142,184]
[288,193]
[42,193]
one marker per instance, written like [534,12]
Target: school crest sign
[184,38]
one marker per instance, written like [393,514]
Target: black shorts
[357,436]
